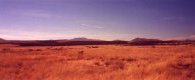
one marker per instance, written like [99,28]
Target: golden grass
[103,62]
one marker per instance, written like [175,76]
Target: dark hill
[144,40]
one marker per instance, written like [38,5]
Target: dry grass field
[97,62]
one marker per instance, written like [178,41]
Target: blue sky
[99,19]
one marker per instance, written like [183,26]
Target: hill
[84,39]
[144,41]
[2,40]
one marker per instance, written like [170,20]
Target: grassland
[97,62]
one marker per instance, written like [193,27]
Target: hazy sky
[99,19]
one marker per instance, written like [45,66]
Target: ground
[97,62]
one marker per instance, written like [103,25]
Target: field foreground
[102,62]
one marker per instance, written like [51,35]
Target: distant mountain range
[63,40]
[86,41]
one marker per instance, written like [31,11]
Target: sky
[97,19]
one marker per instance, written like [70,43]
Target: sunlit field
[97,62]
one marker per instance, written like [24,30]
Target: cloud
[38,14]
[35,35]
[174,18]
[190,37]
[83,25]
[5,36]
[35,13]
[99,27]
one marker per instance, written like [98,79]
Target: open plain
[97,62]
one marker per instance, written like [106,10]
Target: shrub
[80,55]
